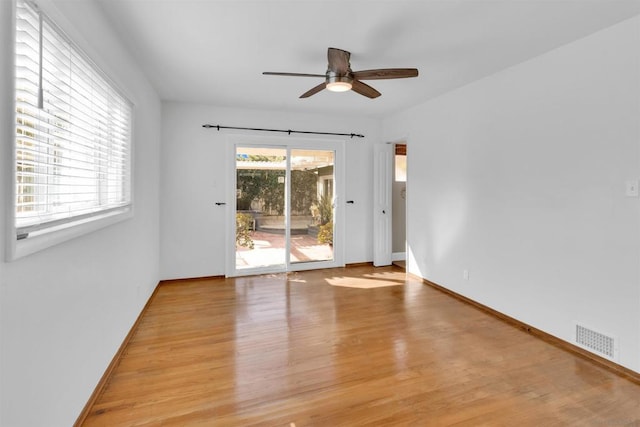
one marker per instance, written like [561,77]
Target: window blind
[73,131]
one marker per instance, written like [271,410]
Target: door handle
[220,203]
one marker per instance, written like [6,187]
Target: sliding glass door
[285,215]
[260,228]
[311,196]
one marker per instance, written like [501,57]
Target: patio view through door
[284,208]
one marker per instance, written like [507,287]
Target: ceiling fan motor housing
[337,83]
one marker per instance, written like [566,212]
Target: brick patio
[269,249]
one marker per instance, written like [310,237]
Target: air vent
[599,343]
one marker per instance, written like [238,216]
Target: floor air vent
[597,342]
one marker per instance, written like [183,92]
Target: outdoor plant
[244,224]
[263,185]
[325,212]
[325,233]
[267,187]
[325,209]
[303,191]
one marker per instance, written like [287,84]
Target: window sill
[21,248]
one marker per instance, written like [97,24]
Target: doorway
[285,213]
[384,211]
[399,205]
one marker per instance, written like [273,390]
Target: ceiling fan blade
[271,73]
[313,90]
[386,73]
[338,61]
[364,89]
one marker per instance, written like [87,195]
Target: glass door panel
[260,208]
[311,206]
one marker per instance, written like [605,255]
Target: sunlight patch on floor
[369,281]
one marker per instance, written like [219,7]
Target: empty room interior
[200,203]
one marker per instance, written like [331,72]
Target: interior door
[382,225]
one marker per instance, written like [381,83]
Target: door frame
[289,143]
[383,163]
[399,256]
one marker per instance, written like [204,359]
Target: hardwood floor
[305,349]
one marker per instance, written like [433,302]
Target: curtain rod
[289,131]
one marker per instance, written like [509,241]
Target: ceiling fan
[340,78]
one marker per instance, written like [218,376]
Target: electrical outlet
[465,274]
[632,188]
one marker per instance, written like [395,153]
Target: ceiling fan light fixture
[339,86]
[339,83]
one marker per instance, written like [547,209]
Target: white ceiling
[214,51]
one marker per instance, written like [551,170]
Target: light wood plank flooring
[305,349]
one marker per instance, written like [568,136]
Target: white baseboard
[399,256]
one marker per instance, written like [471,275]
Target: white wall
[520,178]
[193,179]
[66,310]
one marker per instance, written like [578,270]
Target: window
[400,168]
[73,133]
[327,187]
